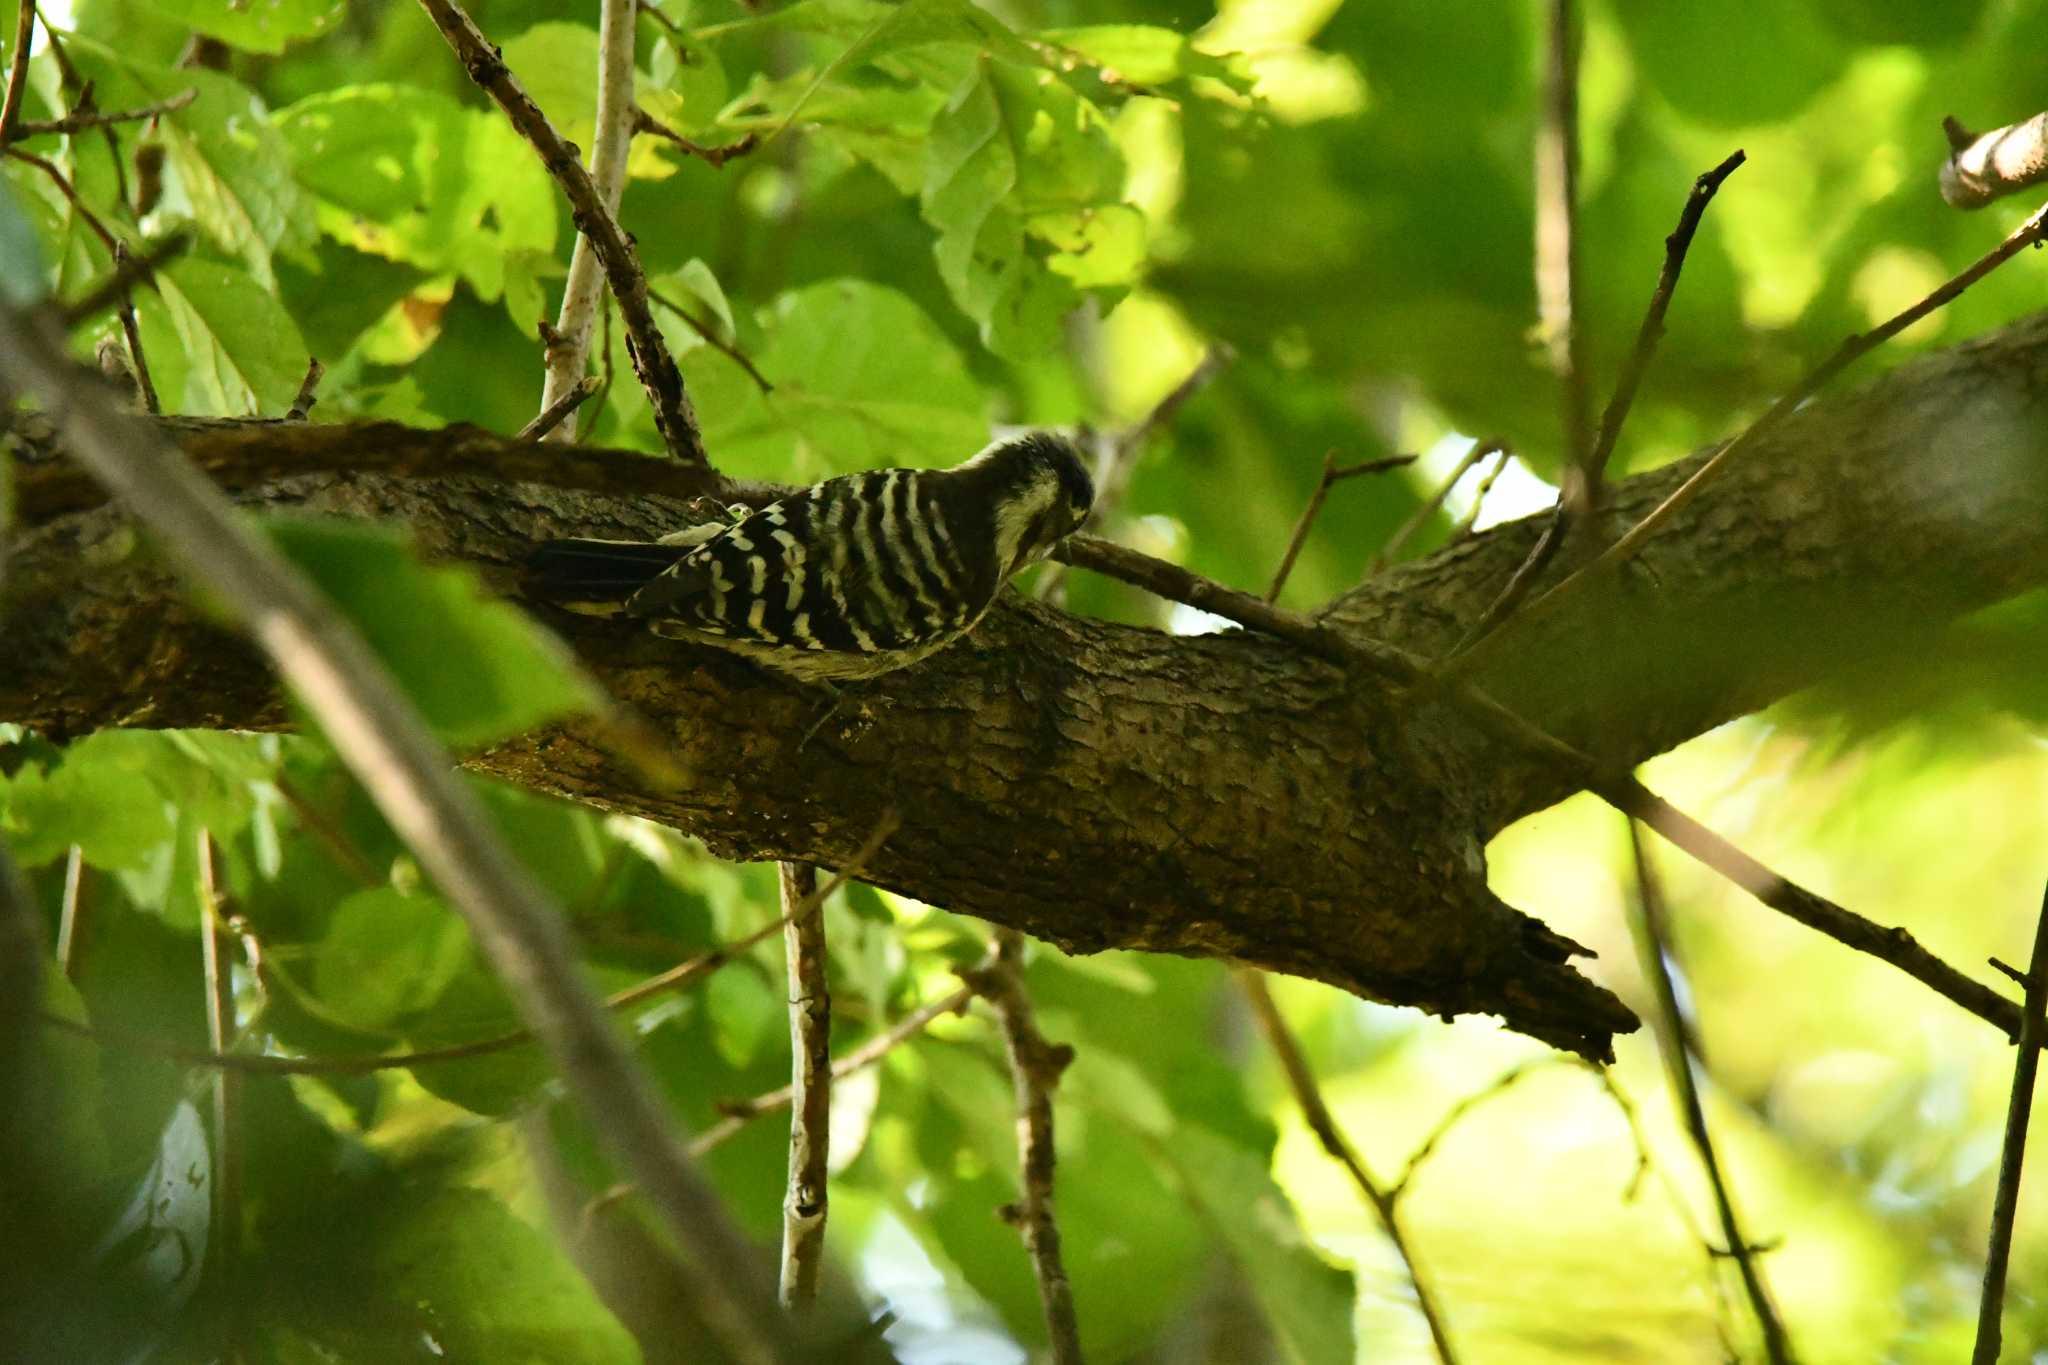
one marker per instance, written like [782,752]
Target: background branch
[2005,1209]
[806,1204]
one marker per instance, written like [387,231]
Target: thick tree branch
[1227,795]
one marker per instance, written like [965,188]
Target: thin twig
[309,391]
[1332,473]
[1620,789]
[1420,517]
[1625,385]
[129,271]
[1455,1115]
[567,344]
[548,421]
[739,1113]
[712,339]
[1851,350]
[1487,480]
[78,120]
[17,71]
[668,399]
[2033,1031]
[806,1203]
[331,835]
[71,915]
[716,156]
[1675,1040]
[685,973]
[1309,1097]
[1557,252]
[1987,167]
[132,331]
[70,191]
[381,736]
[1035,1067]
[229,1135]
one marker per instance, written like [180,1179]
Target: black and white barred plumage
[848,578]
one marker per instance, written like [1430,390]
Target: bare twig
[712,339]
[1455,1115]
[381,736]
[1035,1067]
[1309,1096]
[2001,162]
[1851,350]
[132,331]
[17,71]
[739,1113]
[70,191]
[1332,473]
[558,411]
[1675,1040]
[1620,789]
[71,915]
[806,1203]
[2033,1031]
[1486,482]
[216,951]
[78,120]
[675,978]
[309,391]
[1557,252]
[1647,336]
[716,156]
[1420,517]
[129,271]
[669,401]
[568,344]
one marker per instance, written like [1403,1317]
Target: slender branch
[739,1113]
[1309,1097]
[683,974]
[716,156]
[2033,1031]
[1332,473]
[381,736]
[806,1203]
[78,120]
[1420,517]
[2001,162]
[1851,350]
[1676,1041]
[1620,789]
[129,270]
[1035,1068]
[557,413]
[72,915]
[568,344]
[17,71]
[309,391]
[229,1135]
[714,340]
[131,330]
[1557,251]
[674,416]
[70,191]
[1484,487]
[1625,385]
[1455,1115]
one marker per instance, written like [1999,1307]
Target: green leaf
[396,170]
[1144,54]
[256,25]
[387,954]
[477,668]
[494,1288]
[862,379]
[1306,1299]
[241,350]
[21,257]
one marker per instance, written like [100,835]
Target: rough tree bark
[1104,786]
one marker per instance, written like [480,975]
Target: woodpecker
[849,578]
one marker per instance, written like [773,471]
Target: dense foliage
[1030,213]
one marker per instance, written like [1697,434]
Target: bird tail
[595,576]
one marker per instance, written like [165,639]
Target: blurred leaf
[256,25]
[21,260]
[477,668]
[242,352]
[494,1288]
[388,954]
[116,794]
[1142,54]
